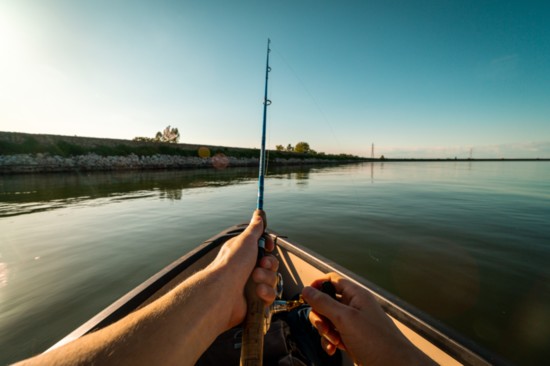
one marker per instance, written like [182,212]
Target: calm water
[467,242]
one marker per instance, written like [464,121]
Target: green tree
[169,134]
[289,147]
[302,147]
[279,148]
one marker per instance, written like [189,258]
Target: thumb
[256,225]
[323,304]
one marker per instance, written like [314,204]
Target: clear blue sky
[416,78]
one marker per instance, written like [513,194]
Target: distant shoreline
[41,153]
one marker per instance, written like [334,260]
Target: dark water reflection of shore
[28,193]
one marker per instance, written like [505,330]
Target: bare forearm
[179,327]
[176,329]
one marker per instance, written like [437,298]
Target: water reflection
[23,194]
[372,173]
[301,177]
[171,194]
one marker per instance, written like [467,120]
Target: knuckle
[258,275]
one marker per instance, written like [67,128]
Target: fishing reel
[280,306]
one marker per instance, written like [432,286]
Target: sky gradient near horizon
[425,78]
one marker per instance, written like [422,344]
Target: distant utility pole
[372,151]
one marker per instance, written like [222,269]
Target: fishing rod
[267,102]
[255,324]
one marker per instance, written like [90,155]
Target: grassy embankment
[66,146]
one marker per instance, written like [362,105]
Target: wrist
[222,290]
[232,267]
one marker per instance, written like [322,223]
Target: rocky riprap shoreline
[27,163]
[43,163]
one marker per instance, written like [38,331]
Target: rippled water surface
[467,242]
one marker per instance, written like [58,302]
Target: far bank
[38,153]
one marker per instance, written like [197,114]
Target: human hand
[237,261]
[358,325]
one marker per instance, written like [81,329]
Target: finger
[269,243]
[269,262]
[319,322]
[334,278]
[348,290]
[325,328]
[265,276]
[256,226]
[262,214]
[266,293]
[324,305]
[329,348]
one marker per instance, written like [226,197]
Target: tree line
[172,135]
[301,147]
[169,134]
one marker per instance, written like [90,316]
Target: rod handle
[256,314]
[254,328]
